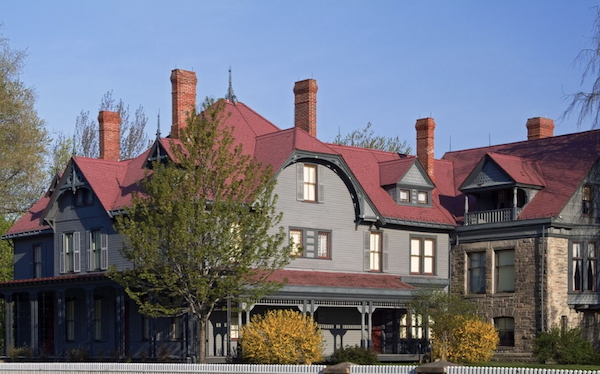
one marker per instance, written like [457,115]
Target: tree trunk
[202,323]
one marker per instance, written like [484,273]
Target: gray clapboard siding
[336,214]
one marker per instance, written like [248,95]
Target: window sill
[475,295]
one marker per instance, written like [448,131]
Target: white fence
[511,370]
[138,368]
[145,368]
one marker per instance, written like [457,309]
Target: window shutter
[88,244]
[321,184]
[300,181]
[61,257]
[384,259]
[76,252]
[367,251]
[104,254]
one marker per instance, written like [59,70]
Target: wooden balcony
[492,216]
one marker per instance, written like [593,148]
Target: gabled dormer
[501,187]
[158,152]
[72,184]
[406,181]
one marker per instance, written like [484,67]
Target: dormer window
[422,197]
[406,182]
[83,196]
[586,208]
[404,196]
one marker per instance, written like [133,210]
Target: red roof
[333,279]
[558,164]
[561,164]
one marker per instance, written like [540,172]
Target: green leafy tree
[283,337]
[22,136]
[586,103]
[61,151]
[445,312]
[134,139]
[204,228]
[366,138]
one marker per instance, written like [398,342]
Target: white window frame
[70,258]
[310,185]
[37,261]
[423,254]
[97,255]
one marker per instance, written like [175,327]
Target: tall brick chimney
[425,144]
[305,100]
[539,128]
[183,89]
[109,124]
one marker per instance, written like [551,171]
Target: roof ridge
[548,139]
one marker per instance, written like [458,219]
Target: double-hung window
[506,330]
[97,251]
[505,270]
[422,256]
[70,258]
[476,272]
[375,250]
[37,261]
[310,243]
[176,328]
[309,179]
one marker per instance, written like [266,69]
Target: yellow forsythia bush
[473,341]
[282,337]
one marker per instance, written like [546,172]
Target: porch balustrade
[492,216]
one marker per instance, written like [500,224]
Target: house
[370,224]
[513,227]
[525,244]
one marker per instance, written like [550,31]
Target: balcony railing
[492,216]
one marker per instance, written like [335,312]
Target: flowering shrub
[472,341]
[282,337]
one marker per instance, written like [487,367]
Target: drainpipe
[543,270]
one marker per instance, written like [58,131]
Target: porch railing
[492,216]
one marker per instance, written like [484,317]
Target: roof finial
[158,126]
[230,95]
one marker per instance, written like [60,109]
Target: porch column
[33,307]
[61,331]
[370,332]
[89,307]
[8,320]
[363,342]
[120,322]
[514,209]
[312,309]
[466,220]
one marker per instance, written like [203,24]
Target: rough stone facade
[539,264]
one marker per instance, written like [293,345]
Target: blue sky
[479,68]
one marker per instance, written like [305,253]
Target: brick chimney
[539,128]
[183,89]
[305,100]
[425,144]
[109,124]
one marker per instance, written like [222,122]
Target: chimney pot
[305,100]
[425,144]
[539,128]
[109,126]
[183,88]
